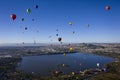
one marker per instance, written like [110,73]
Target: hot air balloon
[33,19]
[13,16]
[36,6]
[22,19]
[56,72]
[56,34]
[71,49]
[107,8]
[73,32]
[56,29]
[73,73]
[70,23]
[59,39]
[64,54]
[25,28]
[104,69]
[80,64]
[63,65]
[37,31]
[28,10]
[88,25]
[50,36]
[98,64]
[69,44]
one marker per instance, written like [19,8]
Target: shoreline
[112,67]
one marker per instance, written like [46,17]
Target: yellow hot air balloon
[70,23]
[63,65]
[77,78]
[73,73]
[64,54]
[71,49]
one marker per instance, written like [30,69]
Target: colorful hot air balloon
[107,8]
[28,10]
[59,39]
[13,16]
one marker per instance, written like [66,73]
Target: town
[11,56]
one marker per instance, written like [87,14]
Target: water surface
[44,64]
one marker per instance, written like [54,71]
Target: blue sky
[56,14]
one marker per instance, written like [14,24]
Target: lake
[45,64]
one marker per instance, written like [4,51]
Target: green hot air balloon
[28,10]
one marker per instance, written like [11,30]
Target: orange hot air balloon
[13,16]
[107,7]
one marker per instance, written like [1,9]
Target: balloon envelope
[25,28]
[73,32]
[28,10]
[107,7]
[64,54]
[22,19]
[70,23]
[56,34]
[71,49]
[56,29]
[59,39]
[88,25]
[33,19]
[13,16]
[36,6]
[73,73]
[98,64]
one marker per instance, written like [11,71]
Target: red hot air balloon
[107,7]
[13,16]
[59,39]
